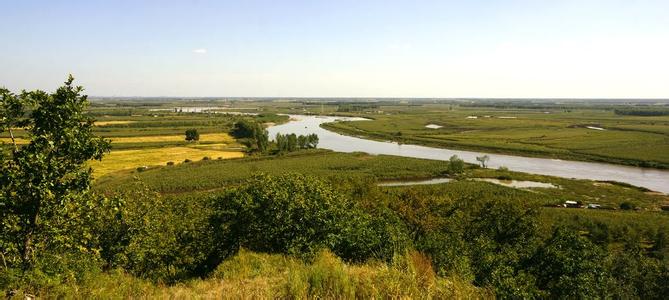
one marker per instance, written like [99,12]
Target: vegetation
[576,132]
[253,134]
[192,135]
[43,184]
[292,142]
[300,222]
[647,111]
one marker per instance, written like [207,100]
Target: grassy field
[251,275]
[205,176]
[565,133]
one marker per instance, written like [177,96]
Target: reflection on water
[518,183]
[416,182]
[657,180]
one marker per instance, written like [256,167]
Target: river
[653,179]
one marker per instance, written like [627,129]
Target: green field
[563,133]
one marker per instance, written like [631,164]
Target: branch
[11,134]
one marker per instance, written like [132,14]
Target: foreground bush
[265,276]
[300,215]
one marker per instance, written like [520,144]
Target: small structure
[571,204]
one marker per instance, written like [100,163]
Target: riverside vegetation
[284,222]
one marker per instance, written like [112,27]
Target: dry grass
[130,159]
[251,275]
[105,123]
[209,137]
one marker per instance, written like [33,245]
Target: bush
[205,158]
[187,160]
[299,215]
[626,206]
[170,163]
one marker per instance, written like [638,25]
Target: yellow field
[209,137]
[130,159]
[19,141]
[103,123]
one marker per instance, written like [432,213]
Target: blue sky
[339,48]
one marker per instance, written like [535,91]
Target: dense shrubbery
[300,215]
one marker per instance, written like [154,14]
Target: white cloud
[200,51]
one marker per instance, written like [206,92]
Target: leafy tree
[570,266]
[244,129]
[44,184]
[302,142]
[455,165]
[192,135]
[312,140]
[253,135]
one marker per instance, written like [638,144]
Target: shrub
[170,163]
[626,206]
[299,215]
[205,158]
[187,160]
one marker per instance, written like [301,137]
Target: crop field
[580,134]
[130,159]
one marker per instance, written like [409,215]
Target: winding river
[653,179]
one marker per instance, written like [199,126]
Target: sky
[339,48]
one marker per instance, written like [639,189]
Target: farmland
[577,133]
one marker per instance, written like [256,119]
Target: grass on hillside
[250,275]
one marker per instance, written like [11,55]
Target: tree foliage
[192,135]
[253,135]
[292,142]
[44,184]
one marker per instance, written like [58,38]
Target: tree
[291,142]
[44,182]
[570,266]
[483,160]
[253,135]
[312,140]
[192,135]
[302,142]
[261,137]
[455,165]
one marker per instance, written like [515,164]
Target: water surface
[654,179]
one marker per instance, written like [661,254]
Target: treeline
[356,107]
[292,142]
[642,111]
[252,134]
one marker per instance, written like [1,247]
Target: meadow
[591,133]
